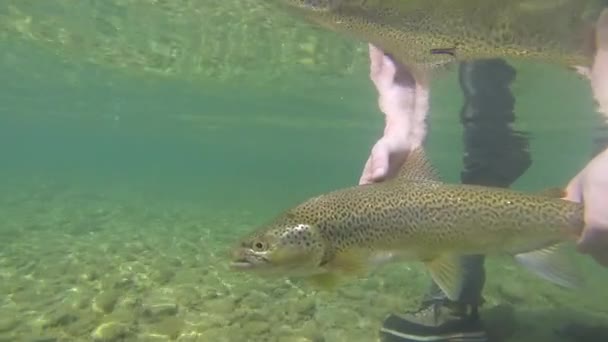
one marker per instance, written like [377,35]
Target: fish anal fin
[324,281]
[417,167]
[448,272]
[552,264]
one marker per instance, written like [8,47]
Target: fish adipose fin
[552,263]
[417,167]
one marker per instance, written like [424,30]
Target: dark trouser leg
[494,155]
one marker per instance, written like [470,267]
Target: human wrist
[397,130]
[603,154]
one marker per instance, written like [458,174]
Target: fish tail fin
[554,192]
[553,263]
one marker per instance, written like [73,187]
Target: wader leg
[494,155]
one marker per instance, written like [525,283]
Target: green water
[121,190]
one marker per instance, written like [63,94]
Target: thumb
[379,162]
[574,191]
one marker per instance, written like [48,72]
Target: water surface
[124,183]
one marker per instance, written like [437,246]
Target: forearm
[403,101]
[418,126]
[598,82]
[599,69]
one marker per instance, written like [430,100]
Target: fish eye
[259,246]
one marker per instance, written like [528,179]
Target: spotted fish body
[428,33]
[426,217]
[414,217]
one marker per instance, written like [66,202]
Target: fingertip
[583,71]
[364,180]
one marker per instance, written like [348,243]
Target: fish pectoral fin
[448,272]
[552,264]
[324,281]
[554,192]
[350,262]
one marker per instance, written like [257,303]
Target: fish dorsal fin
[540,5]
[553,192]
[418,168]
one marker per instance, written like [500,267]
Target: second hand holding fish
[590,186]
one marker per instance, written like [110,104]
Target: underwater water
[124,181]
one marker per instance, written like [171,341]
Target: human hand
[590,187]
[405,104]
[386,158]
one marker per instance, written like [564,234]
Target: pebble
[256,327]
[170,327]
[163,275]
[157,311]
[8,323]
[105,301]
[220,306]
[110,332]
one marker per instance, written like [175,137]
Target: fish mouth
[248,262]
[241,264]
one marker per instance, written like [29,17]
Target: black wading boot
[438,320]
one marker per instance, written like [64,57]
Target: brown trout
[414,217]
[423,34]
